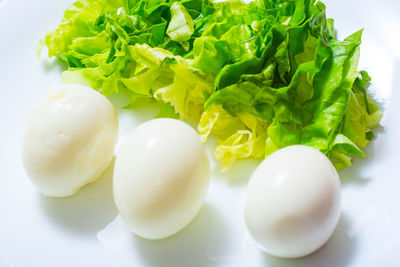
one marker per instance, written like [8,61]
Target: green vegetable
[181,26]
[259,76]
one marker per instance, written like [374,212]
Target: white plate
[82,230]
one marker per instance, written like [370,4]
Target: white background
[82,230]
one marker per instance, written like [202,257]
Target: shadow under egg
[338,251]
[86,212]
[189,247]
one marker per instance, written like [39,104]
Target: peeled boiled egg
[292,202]
[69,139]
[161,176]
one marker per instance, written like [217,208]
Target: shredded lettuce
[259,76]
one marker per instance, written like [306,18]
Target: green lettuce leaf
[241,136]
[259,76]
[181,26]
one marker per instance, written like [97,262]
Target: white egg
[293,202]
[69,139]
[161,176]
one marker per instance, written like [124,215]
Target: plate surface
[84,230]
